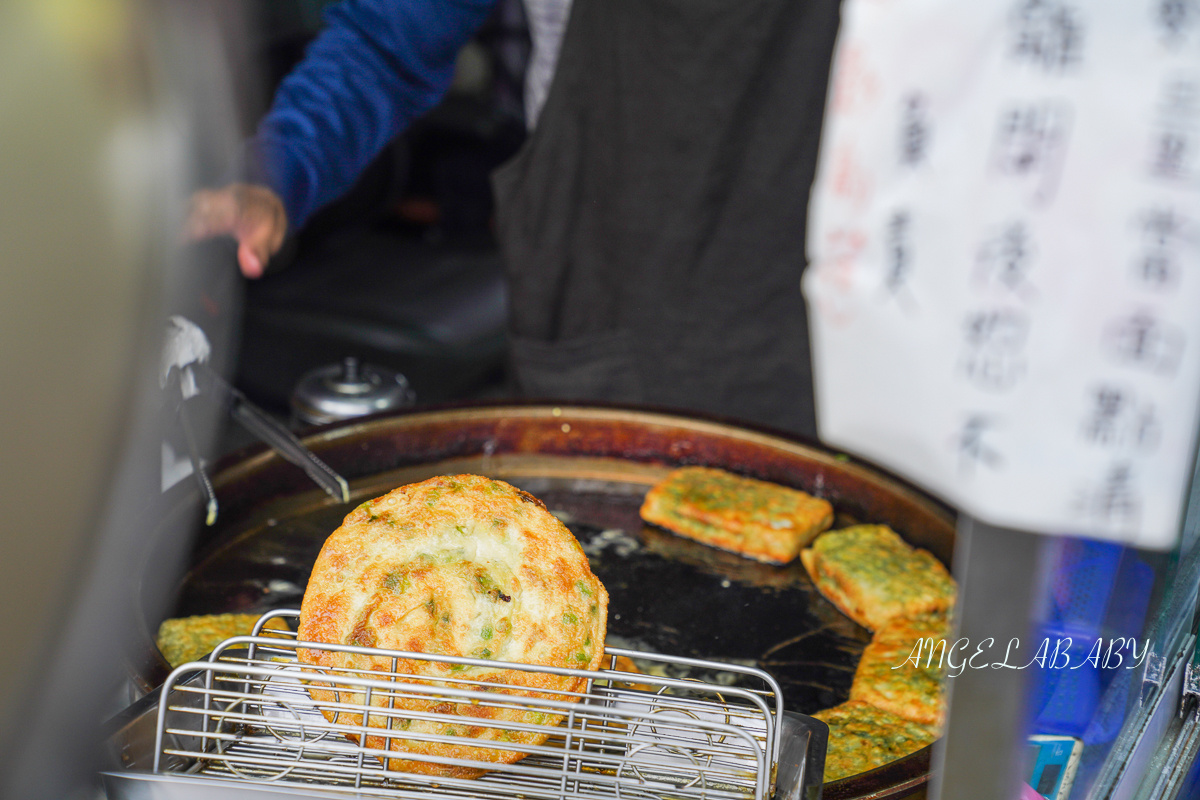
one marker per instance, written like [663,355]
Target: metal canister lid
[347,390]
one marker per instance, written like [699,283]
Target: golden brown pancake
[863,737]
[902,669]
[761,520]
[462,566]
[873,575]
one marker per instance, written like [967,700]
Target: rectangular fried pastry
[863,737]
[902,670]
[757,519]
[873,575]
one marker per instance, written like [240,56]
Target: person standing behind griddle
[652,224]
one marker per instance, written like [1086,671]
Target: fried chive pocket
[872,575]
[756,519]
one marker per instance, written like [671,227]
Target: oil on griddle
[668,594]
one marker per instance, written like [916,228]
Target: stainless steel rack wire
[253,714]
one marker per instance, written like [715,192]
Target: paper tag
[1004,289]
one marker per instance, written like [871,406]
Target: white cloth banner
[1004,238]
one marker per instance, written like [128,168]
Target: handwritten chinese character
[914,131]
[898,259]
[897,250]
[1117,420]
[1171,152]
[855,83]
[1031,143]
[1102,428]
[1163,231]
[1175,18]
[1047,34]
[971,447]
[844,248]
[1161,226]
[1005,259]
[1141,340]
[993,356]
[1157,269]
[1173,142]
[837,271]
[850,179]
[1115,500]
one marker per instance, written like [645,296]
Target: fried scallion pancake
[873,575]
[184,639]
[757,519]
[903,669]
[460,566]
[863,737]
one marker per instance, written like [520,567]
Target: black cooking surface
[667,594]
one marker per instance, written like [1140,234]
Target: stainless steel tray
[251,718]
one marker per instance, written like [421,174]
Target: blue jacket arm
[377,66]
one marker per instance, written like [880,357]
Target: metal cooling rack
[247,715]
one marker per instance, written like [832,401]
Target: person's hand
[253,215]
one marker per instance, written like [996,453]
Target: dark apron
[653,224]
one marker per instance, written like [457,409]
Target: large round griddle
[591,466]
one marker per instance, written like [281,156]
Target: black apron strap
[653,224]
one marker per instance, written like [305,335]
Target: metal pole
[980,757]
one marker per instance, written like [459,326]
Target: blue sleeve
[377,66]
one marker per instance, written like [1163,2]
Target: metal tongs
[186,376]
